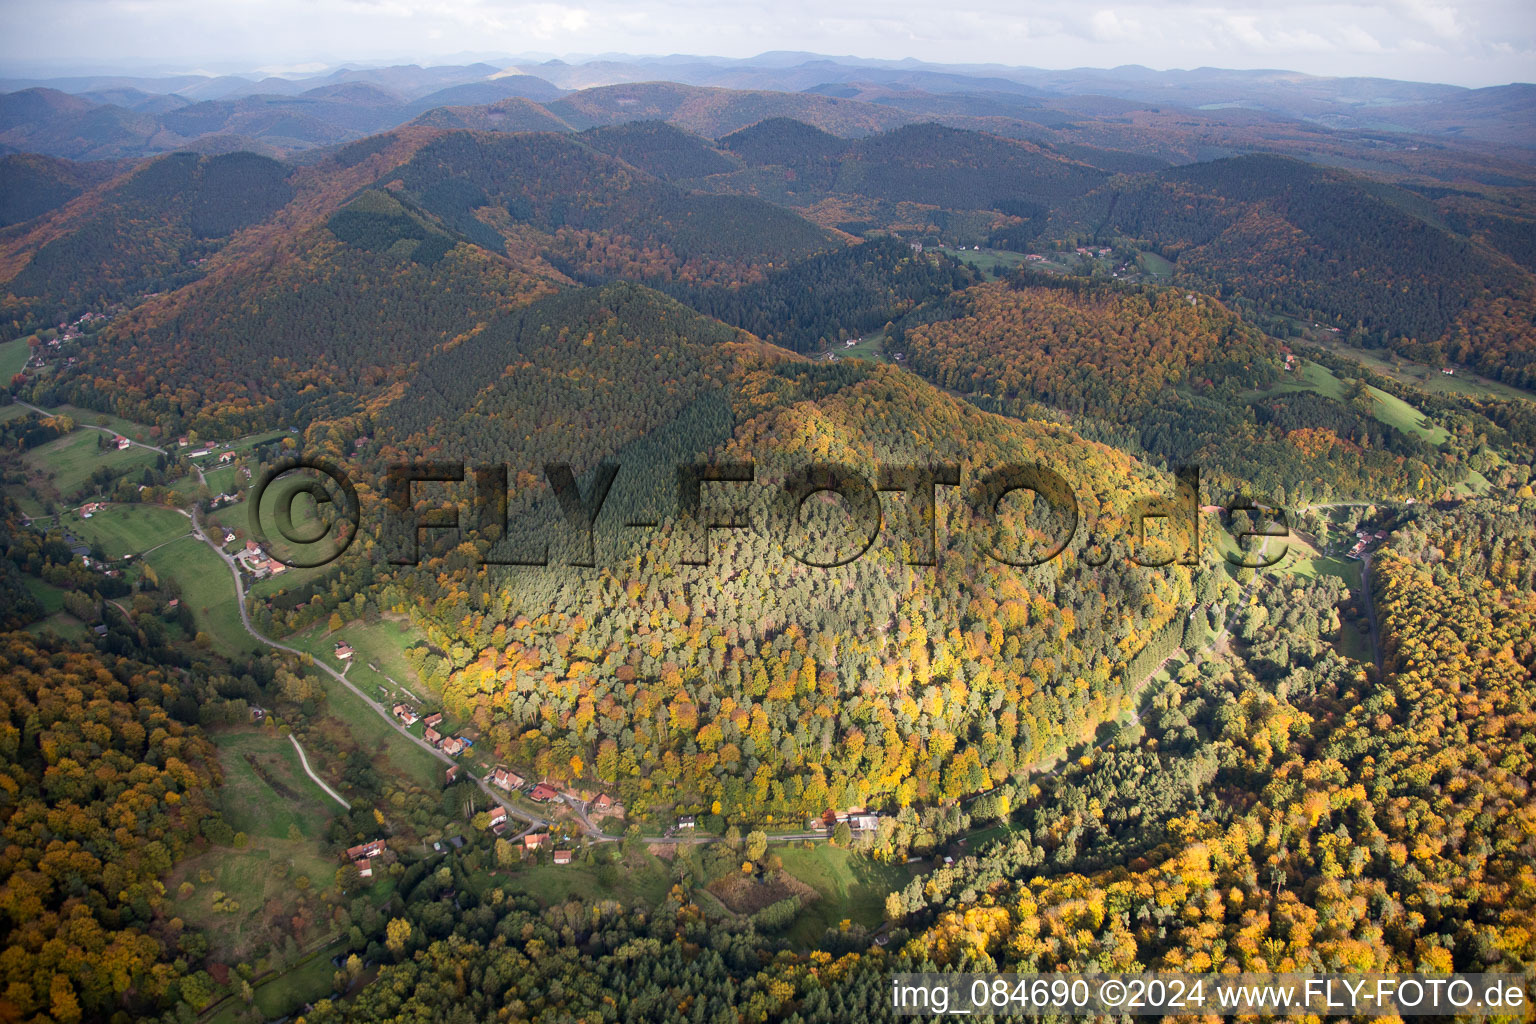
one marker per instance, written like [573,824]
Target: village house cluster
[535,841]
[1364,539]
[362,857]
[857,819]
[255,560]
[453,746]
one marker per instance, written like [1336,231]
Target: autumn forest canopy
[729,764]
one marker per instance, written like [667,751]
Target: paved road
[532,821]
[311,773]
[383,712]
[90,426]
[106,430]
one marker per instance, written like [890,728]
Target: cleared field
[305,983]
[1397,413]
[265,789]
[1386,408]
[221,480]
[138,431]
[380,642]
[1309,376]
[48,595]
[551,883]
[372,732]
[852,887]
[231,906]
[55,617]
[1353,643]
[1427,378]
[1156,265]
[991,262]
[207,588]
[235,891]
[13,358]
[64,466]
[1310,567]
[871,347]
[62,623]
[128,529]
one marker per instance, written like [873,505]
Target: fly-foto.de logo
[423,501]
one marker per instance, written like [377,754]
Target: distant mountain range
[124,116]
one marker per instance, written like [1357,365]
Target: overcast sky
[1481,42]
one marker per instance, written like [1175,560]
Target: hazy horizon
[1479,44]
[529,62]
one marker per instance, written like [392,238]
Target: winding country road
[304,760]
[532,820]
[92,426]
[109,431]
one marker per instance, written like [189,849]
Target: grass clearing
[208,589]
[232,906]
[1388,409]
[1395,412]
[266,793]
[64,466]
[645,885]
[1155,265]
[62,623]
[48,595]
[221,480]
[13,358]
[871,347]
[307,982]
[1462,383]
[128,428]
[372,732]
[235,890]
[381,642]
[1354,643]
[852,887]
[13,411]
[993,262]
[1311,567]
[1309,376]
[127,529]
[55,618]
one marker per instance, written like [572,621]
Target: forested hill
[570,377]
[754,229]
[756,680]
[555,182]
[150,230]
[830,296]
[928,163]
[441,230]
[1176,374]
[31,185]
[1380,261]
[659,148]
